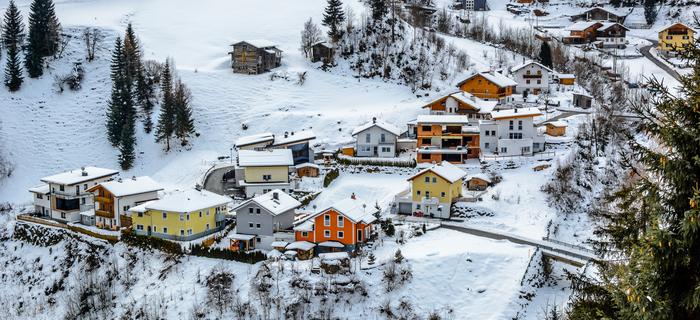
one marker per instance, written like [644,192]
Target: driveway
[214,181]
[645,51]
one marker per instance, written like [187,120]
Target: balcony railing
[104,214]
[103,199]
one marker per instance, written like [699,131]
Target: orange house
[446,138]
[488,85]
[340,227]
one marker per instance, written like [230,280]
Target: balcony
[532,76]
[104,214]
[103,199]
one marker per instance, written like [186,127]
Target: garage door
[405,208]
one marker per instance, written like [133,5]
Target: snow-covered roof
[331,244]
[352,208]
[609,10]
[334,256]
[323,43]
[258,43]
[566,76]
[607,25]
[276,206]
[79,175]
[307,225]
[141,207]
[88,213]
[42,188]
[582,94]
[581,25]
[494,77]
[558,124]
[291,253]
[293,137]
[480,176]
[135,185]
[188,200]
[445,170]
[255,139]
[483,106]
[442,119]
[273,254]
[243,237]
[277,244]
[527,63]
[275,157]
[516,112]
[674,24]
[307,164]
[300,245]
[378,123]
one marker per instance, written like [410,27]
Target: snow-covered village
[349,159]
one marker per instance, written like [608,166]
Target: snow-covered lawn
[372,188]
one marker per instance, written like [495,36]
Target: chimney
[275,195]
[374,120]
[83,172]
[353,197]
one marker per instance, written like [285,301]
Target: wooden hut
[556,128]
[255,57]
[322,51]
[478,182]
[307,170]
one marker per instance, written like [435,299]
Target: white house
[511,132]
[260,172]
[532,77]
[299,142]
[114,198]
[42,199]
[376,139]
[68,193]
[264,216]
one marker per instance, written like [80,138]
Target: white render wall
[503,144]
[366,149]
[519,77]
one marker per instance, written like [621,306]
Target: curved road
[645,52]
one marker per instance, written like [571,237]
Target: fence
[538,155]
[50,223]
[384,162]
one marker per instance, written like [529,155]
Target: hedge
[225,254]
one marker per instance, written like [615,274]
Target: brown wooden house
[255,57]
[322,51]
[308,169]
[582,32]
[600,14]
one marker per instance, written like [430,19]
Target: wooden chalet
[322,51]
[600,14]
[255,57]
[582,32]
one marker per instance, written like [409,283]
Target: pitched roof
[283,203]
[135,185]
[276,157]
[293,137]
[479,176]
[516,112]
[527,63]
[323,43]
[609,10]
[378,123]
[558,124]
[187,201]
[607,25]
[258,43]
[307,164]
[254,139]
[442,119]
[493,77]
[354,209]
[42,188]
[446,170]
[674,24]
[79,175]
[483,106]
[582,25]
[300,245]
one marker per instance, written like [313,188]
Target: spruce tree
[126,147]
[379,9]
[184,125]
[546,55]
[12,36]
[652,233]
[333,18]
[44,36]
[132,51]
[120,106]
[166,120]
[137,77]
[650,11]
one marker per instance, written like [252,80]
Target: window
[39,196]
[486,145]
[341,221]
[82,200]
[425,141]
[536,145]
[488,132]
[418,192]
[341,234]
[386,149]
[257,225]
[304,234]
[188,217]
[425,156]
[155,229]
[189,232]
[257,210]
[126,208]
[539,81]
[182,232]
[200,214]
[427,179]
[515,135]
[250,225]
[418,207]
[85,186]
[140,214]
[427,194]
[327,220]
[267,177]
[62,188]
[139,227]
[63,215]
[493,133]
[425,128]
[368,138]
[520,124]
[165,215]
[182,217]
[434,180]
[442,194]
[165,229]
[250,210]
[527,81]
[327,233]
[207,227]
[511,125]
[504,150]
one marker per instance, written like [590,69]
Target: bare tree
[91,36]
[310,35]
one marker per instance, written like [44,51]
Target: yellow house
[434,189]
[182,216]
[675,38]
[264,171]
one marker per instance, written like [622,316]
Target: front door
[149,230]
[376,151]
[359,235]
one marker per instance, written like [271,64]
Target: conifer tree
[44,36]
[166,120]
[379,9]
[120,106]
[546,55]
[650,11]
[12,36]
[184,125]
[137,78]
[333,18]
[652,232]
[126,147]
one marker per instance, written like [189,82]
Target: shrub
[330,176]
[147,242]
[216,253]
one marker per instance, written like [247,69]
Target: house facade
[489,86]
[582,100]
[433,191]
[263,216]
[298,142]
[675,38]
[612,35]
[264,171]
[532,77]
[446,138]
[600,14]
[376,139]
[68,193]
[255,57]
[113,199]
[511,132]
[182,216]
[41,196]
[462,103]
[341,227]
[582,32]
[322,51]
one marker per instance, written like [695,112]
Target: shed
[348,151]
[566,79]
[478,182]
[304,249]
[322,51]
[308,170]
[582,100]
[556,128]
